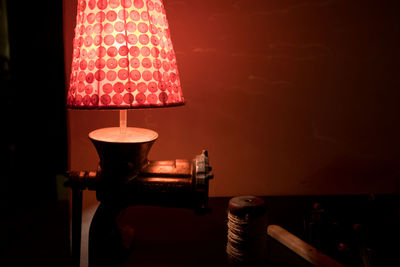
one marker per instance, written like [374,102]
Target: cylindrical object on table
[246,231]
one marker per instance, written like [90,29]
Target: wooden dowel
[301,248]
[122,121]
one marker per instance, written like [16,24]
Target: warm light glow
[131,135]
[123,56]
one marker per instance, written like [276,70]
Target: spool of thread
[246,231]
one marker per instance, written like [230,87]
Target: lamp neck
[123,120]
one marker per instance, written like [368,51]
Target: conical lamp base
[122,156]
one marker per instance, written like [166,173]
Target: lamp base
[122,155]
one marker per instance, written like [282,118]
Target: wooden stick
[122,120]
[301,248]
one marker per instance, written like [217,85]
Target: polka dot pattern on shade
[123,56]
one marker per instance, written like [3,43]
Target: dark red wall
[289,96]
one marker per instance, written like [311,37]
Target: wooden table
[178,237]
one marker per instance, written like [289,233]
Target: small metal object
[202,175]
[184,179]
[126,177]
[131,179]
[83,179]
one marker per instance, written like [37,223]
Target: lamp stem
[122,120]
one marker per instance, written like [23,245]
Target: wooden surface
[301,248]
[178,237]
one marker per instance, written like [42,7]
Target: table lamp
[123,58]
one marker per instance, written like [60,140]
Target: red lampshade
[123,56]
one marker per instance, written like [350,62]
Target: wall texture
[290,97]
